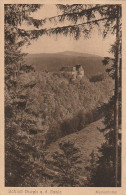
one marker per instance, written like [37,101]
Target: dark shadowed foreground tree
[19,147]
[109,163]
[102,174]
[65,165]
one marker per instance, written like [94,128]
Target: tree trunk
[117,77]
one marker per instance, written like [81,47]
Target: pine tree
[65,166]
[19,146]
[107,170]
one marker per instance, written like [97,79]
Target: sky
[52,44]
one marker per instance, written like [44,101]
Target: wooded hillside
[62,106]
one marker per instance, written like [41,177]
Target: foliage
[83,18]
[56,100]
[15,15]
[19,146]
[65,165]
[97,78]
[106,162]
[102,167]
[81,120]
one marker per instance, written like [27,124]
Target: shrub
[97,78]
[80,121]
[70,126]
[53,134]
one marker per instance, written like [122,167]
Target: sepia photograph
[63,95]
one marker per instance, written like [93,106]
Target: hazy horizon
[66,52]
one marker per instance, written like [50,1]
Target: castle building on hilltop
[76,72]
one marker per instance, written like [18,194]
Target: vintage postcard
[62,97]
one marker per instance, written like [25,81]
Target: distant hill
[54,61]
[73,53]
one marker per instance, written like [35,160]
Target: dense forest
[62,106]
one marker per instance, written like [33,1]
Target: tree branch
[60,16]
